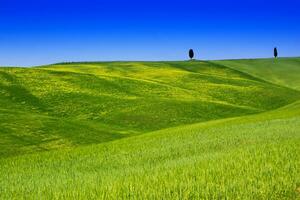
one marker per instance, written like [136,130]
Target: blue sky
[35,32]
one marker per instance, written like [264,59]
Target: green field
[151,130]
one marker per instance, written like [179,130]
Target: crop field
[227,129]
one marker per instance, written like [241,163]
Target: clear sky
[35,32]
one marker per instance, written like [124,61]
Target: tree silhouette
[275,52]
[191,54]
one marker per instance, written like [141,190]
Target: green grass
[150,130]
[283,71]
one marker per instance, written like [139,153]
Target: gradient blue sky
[35,32]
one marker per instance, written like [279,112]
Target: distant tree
[191,54]
[275,52]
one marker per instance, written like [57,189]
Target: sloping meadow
[150,130]
[69,105]
[253,157]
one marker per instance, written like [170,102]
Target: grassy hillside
[68,105]
[198,130]
[254,157]
[283,71]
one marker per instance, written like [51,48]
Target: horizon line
[111,61]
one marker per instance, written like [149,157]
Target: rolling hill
[283,71]
[151,130]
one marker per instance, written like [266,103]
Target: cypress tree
[191,54]
[275,52]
